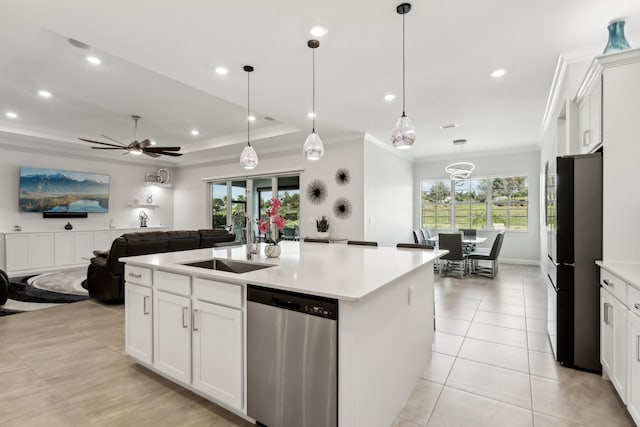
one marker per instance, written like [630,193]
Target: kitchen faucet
[249,232]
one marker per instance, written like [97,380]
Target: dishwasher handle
[289,305]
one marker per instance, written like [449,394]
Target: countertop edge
[627,271]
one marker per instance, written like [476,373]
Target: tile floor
[491,366]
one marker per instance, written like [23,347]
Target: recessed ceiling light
[311,115]
[251,118]
[195,132]
[318,30]
[44,93]
[500,72]
[94,60]
[449,126]
[11,115]
[222,71]
[390,97]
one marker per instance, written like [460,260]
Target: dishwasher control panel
[303,303]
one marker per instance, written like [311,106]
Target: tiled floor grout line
[526,324]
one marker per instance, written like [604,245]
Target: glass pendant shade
[403,134]
[249,158]
[313,148]
[617,40]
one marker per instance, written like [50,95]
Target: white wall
[518,246]
[126,184]
[191,197]
[388,195]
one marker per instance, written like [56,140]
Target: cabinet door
[172,335]
[64,249]
[84,247]
[137,320]
[606,332]
[595,114]
[17,252]
[41,250]
[102,240]
[633,400]
[620,348]
[584,125]
[217,352]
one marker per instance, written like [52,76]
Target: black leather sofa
[105,275]
[4,287]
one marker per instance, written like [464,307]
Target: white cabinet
[613,341]
[138,322]
[172,335]
[606,331]
[633,400]
[590,117]
[64,249]
[217,352]
[29,251]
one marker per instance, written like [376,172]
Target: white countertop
[345,272]
[627,271]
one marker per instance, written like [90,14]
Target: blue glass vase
[617,41]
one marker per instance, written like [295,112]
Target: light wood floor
[491,366]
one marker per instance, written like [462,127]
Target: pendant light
[459,171]
[403,134]
[249,157]
[313,148]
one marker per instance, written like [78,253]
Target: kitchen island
[189,323]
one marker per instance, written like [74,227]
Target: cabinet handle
[185,322]
[584,138]
[145,306]
[137,276]
[606,313]
[607,282]
[638,348]
[195,313]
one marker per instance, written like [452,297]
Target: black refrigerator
[574,231]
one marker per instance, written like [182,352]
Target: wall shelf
[142,205]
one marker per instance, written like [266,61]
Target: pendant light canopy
[313,149]
[249,157]
[403,134]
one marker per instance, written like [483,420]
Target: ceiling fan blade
[168,153]
[114,140]
[109,148]
[162,148]
[98,142]
[150,154]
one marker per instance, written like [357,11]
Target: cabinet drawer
[217,292]
[614,284]
[139,275]
[633,300]
[172,283]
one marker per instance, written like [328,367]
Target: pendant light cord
[248,107]
[403,67]
[313,85]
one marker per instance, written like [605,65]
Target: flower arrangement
[273,220]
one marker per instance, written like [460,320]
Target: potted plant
[322,225]
[274,221]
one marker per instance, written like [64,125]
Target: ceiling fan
[136,147]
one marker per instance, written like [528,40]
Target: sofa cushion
[209,237]
[183,240]
[148,242]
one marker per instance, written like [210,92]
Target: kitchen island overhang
[385,327]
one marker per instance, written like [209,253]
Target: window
[218,204]
[289,193]
[500,203]
[436,204]
[509,203]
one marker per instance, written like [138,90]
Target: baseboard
[519,261]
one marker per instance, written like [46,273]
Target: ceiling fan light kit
[248,157]
[313,148]
[403,134]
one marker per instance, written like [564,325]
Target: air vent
[449,126]
[459,141]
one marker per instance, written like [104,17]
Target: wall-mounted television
[51,190]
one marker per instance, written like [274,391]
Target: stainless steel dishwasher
[292,355]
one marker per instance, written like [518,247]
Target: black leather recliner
[105,275]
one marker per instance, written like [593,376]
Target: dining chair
[361,243]
[418,238]
[312,240]
[487,255]
[456,259]
[429,238]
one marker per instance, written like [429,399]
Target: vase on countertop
[272,251]
[322,234]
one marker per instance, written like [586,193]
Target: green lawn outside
[473,215]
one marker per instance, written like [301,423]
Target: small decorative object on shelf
[143,217]
[342,208]
[322,227]
[112,224]
[343,176]
[17,228]
[149,198]
[617,40]
[316,192]
[269,226]
[68,226]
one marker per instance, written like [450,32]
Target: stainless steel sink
[228,265]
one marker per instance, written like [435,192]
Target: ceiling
[159,60]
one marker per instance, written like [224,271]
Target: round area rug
[63,282]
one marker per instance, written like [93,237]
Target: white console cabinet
[29,251]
